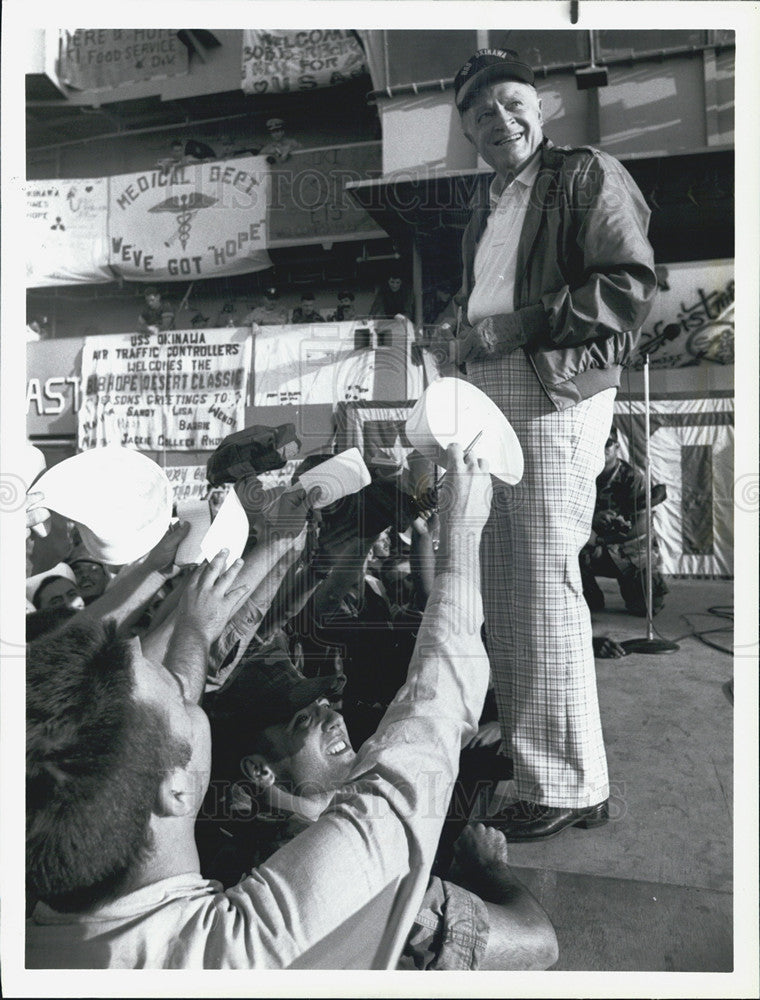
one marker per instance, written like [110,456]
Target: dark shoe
[523,821]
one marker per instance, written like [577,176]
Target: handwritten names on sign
[178,390]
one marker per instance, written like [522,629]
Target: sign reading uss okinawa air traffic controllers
[177,390]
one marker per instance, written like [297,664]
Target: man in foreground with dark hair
[119,880]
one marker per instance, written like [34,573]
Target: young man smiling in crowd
[118,758]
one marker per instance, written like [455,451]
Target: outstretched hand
[464,494]
[209,599]
[35,514]
[161,557]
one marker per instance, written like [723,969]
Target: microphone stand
[649,644]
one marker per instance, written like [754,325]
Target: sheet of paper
[198,513]
[337,477]
[229,530]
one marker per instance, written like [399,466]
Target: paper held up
[120,499]
[229,530]
[198,514]
[452,411]
[336,478]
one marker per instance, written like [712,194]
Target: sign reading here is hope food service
[178,390]
[102,58]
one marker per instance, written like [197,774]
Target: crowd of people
[277,763]
[328,661]
[392,299]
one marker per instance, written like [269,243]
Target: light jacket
[585,278]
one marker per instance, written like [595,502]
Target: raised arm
[382,828]
[208,600]
[132,590]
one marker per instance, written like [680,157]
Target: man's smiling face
[505,125]
[311,752]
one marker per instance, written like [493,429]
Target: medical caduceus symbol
[185,207]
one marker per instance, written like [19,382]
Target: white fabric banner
[179,390]
[692,450]
[188,481]
[194,221]
[302,364]
[66,232]
[692,318]
[102,58]
[281,60]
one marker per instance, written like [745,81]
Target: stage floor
[653,889]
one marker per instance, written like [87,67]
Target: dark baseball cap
[255,449]
[269,689]
[489,66]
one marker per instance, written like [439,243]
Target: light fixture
[591,76]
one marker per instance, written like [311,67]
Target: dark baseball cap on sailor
[489,66]
[269,689]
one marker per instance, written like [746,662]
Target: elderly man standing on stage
[558,276]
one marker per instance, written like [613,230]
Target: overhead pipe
[404,89]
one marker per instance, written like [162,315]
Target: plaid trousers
[538,628]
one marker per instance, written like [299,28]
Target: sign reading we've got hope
[193,221]
[177,390]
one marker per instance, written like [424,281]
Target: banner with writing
[66,234]
[281,60]
[178,390]
[188,481]
[194,221]
[692,319]
[304,364]
[101,58]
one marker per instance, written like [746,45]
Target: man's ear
[177,794]
[540,111]
[258,772]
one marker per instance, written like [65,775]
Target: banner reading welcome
[279,60]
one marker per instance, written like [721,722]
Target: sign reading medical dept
[193,221]
[177,390]
[278,61]
[100,58]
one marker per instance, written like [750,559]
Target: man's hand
[210,599]
[606,648]
[161,557]
[611,526]
[490,338]
[36,515]
[488,733]
[464,494]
